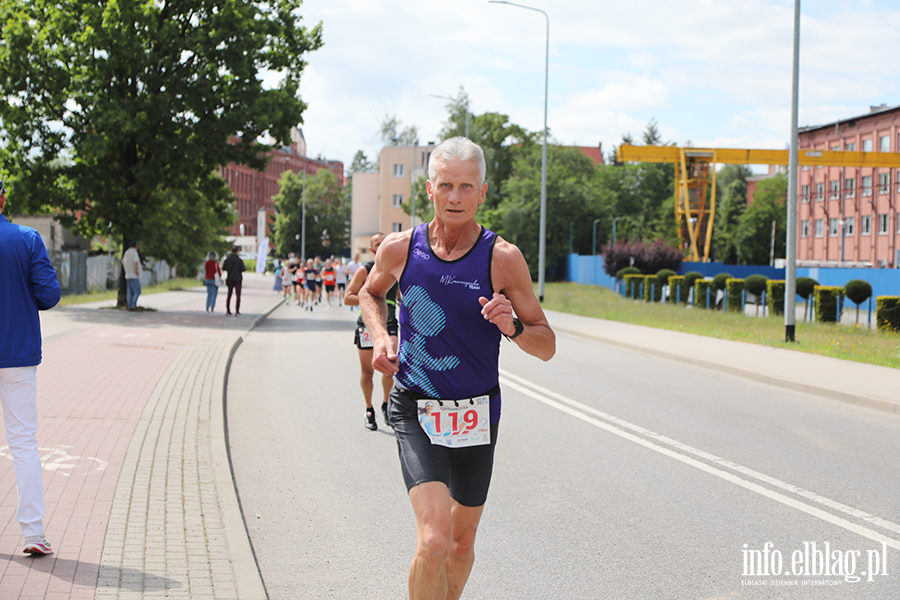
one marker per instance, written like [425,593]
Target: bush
[858,290]
[756,285]
[627,271]
[827,299]
[720,280]
[678,290]
[691,277]
[647,258]
[733,289]
[663,276]
[775,296]
[633,285]
[700,287]
[888,316]
[805,287]
[652,287]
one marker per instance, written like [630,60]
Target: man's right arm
[43,276]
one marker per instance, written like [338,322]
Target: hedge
[700,287]
[775,296]
[826,302]
[652,285]
[678,288]
[633,285]
[888,316]
[733,289]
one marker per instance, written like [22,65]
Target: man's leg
[137,291]
[237,296]
[18,394]
[465,521]
[230,285]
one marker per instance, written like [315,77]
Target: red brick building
[254,190]
[851,214]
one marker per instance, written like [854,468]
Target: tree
[113,102]
[361,164]
[392,134]
[327,215]
[753,234]
[731,194]
[424,206]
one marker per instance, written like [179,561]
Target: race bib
[456,423]
[365,338]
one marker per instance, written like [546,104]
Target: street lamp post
[542,242]
[616,220]
[454,100]
[790,275]
[594,238]
[303,220]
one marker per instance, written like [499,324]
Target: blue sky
[716,73]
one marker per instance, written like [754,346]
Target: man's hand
[384,357]
[498,310]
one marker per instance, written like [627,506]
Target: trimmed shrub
[678,290]
[805,287]
[621,273]
[652,286]
[633,285]
[775,296]
[756,285]
[858,290]
[827,298]
[690,278]
[720,279]
[733,289]
[700,287]
[664,275]
[888,316]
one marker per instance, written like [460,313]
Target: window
[848,226]
[884,143]
[806,167]
[867,145]
[398,170]
[804,228]
[833,229]
[866,224]
[851,147]
[819,230]
[804,193]
[897,230]
[397,227]
[867,185]
[820,192]
[398,200]
[849,187]
[835,190]
[835,148]
[884,183]
[882,224]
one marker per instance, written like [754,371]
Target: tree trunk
[122,299]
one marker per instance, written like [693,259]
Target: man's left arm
[44,284]
[516,299]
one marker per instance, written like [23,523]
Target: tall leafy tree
[109,102]
[753,235]
[731,195]
[327,215]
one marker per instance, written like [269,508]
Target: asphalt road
[618,475]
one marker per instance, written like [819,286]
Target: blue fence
[588,270]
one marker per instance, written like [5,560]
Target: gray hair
[457,148]
[212,255]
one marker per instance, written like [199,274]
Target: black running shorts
[392,329]
[465,471]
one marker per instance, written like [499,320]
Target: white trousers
[18,395]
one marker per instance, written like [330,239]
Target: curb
[863,401]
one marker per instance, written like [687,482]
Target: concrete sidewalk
[139,494]
[140,497]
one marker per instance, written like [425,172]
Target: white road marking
[618,427]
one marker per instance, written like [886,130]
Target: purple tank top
[447,349]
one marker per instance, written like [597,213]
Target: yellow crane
[695,188]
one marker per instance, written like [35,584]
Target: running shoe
[370,419]
[385,415]
[37,545]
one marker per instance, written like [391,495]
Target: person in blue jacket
[29,284]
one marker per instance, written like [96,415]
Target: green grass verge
[166,286]
[838,341]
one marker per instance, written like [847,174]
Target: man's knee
[434,545]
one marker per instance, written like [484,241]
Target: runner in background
[330,280]
[363,340]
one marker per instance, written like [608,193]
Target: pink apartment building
[851,214]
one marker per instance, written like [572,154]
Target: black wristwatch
[519,329]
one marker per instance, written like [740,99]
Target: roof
[873,110]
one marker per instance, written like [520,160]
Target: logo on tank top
[451,280]
[426,319]
[421,254]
